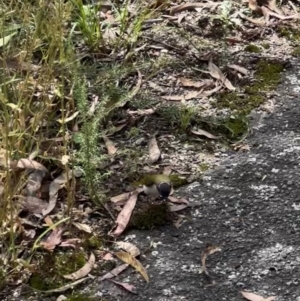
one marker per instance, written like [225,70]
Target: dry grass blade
[66,287]
[208,251]
[145,112]
[115,272]
[127,258]
[121,198]
[111,149]
[204,133]
[84,270]
[255,297]
[216,73]
[128,287]
[129,247]
[192,6]
[124,216]
[272,6]
[240,69]
[154,151]
[254,21]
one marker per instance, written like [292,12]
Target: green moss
[234,127]
[266,45]
[290,33]
[296,51]
[52,266]
[150,216]
[93,243]
[178,181]
[252,48]
[237,102]
[268,75]
[82,297]
[204,167]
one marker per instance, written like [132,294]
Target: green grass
[46,92]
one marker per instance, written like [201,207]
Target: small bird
[157,185]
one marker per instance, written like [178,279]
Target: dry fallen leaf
[178,201]
[238,68]
[34,204]
[54,187]
[199,84]
[128,258]
[34,182]
[216,73]
[204,133]
[175,208]
[121,198]
[254,297]
[124,216]
[154,151]
[111,149]
[53,239]
[210,249]
[84,227]
[115,272]
[66,287]
[30,164]
[129,287]
[84,270]
[129,247]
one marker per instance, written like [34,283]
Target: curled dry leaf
[54,187]
[124,216]
[204,133]
[175,208]
[154,151]
[111,149]
[129,247]
[129,287]
[216,73]
[84,270]
[30,164]
[84,227]
[115,272]
[128,258]
[178,201]
[68,119]
[255,297]
[210,249]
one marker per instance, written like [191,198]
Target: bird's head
[164,189]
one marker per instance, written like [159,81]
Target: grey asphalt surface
[249,208]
